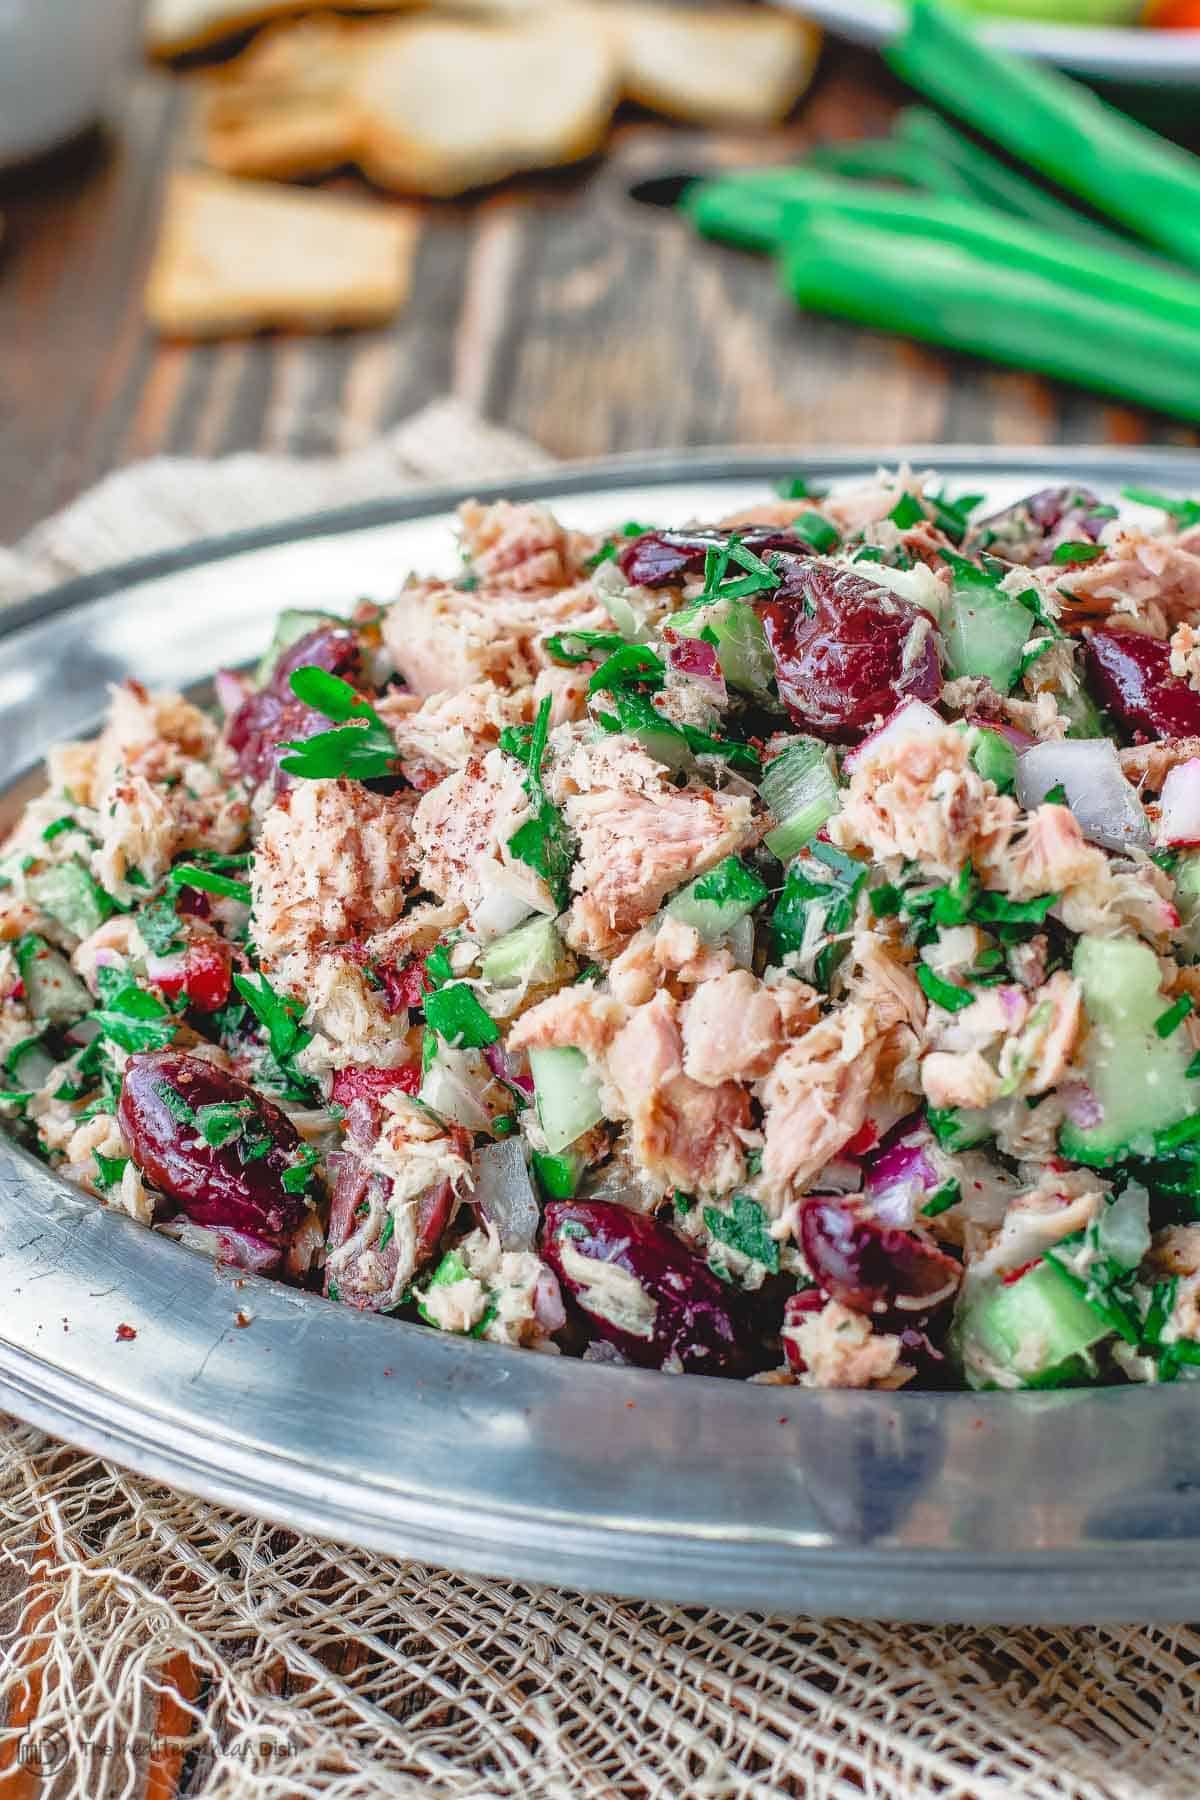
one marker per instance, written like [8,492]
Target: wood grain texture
[556,305]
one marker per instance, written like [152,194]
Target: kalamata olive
[335,648]
[641,1288]
[871,1267]
[366,1280]
[260,725]
[847,651]
[1030,530]
[667,558]
[238,1183]
[1130,676]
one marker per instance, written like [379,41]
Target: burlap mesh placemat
[153,1644]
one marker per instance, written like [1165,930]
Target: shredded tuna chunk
[837,1348]
[463,828]
[334,864]
[1150,764]
[919,798]
[814,1101]
[639,837]
[447,731]
[1146,583]
[1097,893]
[522,547]
[733,1030]
[444,638]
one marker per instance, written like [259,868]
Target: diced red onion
[902,1173]
[1104,802]
[1080,1105]
[231,689]
[504,1195]
[913,719]
[548,1308]
[697,659]
[1020,740]
[1179,805]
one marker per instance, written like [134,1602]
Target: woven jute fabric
[156,1645]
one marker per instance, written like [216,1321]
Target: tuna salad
[766,948]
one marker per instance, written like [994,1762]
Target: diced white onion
[1179,805]
[1104,802]
[504,1193]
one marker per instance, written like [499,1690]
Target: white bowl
[57,58]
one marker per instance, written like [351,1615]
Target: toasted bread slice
[179,27]
[734,65]
[283,108]
[235,256]
[450,105]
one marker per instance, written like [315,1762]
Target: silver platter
[1041,1508]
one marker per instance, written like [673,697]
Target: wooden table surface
[555,305]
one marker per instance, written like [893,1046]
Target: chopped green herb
[278,1015]
[818,902]
[907,512]
[1184,513]
[192,876]
[175,1103]
[943,993]
[996,909]
[949,904]
[948,1195]
[332,1291]
[1077,552]
[731,883]
[573,647]
[18,1097]
[221,1122]
[635,713]
[744,1229]
[109,1170]
[504,1124]
[450,1270]
[132,1018]
[798,487]
[1173,1018]
[1055,796]
[385,1236]
[816,530]
[1193,1068]
[58,826]
[683,1203]
[954,1127]
[631,665]
[158,923]
[297,1177]
[456,1014]
[543,842]
[953,516]
[608,552]
[885,900]
[364,752]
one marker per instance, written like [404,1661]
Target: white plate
[1168,59]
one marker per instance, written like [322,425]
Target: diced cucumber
[532,954]
[568,1096]
[1033,1332]
[1081,713]
[292,624]
[53,991]
[28,1064]
[800,790]
[741,644]
[992,756]
[713,903]
[1187,899]
[558,1176]
[985,631]
[69,894]
[1138,1078]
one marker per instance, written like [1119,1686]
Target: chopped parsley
[608,551]
[364,752]
[953,516]
[942,993]
[816,530]
[573,647]
[818,903]
[385,1236]
[543,842]
[58,826]
[948,1195]
[193,876]
[175,1103]
[1173,1017]
[1055,796]
[450,1270]
[636,714]
[158,923]
[907,512]
[798,487]
[299,1174]
[631,665]
[286,1038]
[744,1228]
[996,909]
[1183,513]
[222,1122]
[109,1171]
[457,1015]
[1077,552]
[133,1019]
